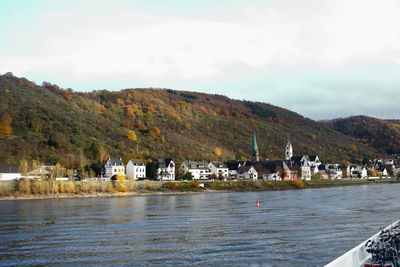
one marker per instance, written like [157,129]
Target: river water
[290,228]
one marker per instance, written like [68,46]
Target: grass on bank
[36,187]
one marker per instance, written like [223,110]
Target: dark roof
[268,166]
[233,165]
[162,163]
[244,169]
[115,162]
[219,164]
[195,164]
[137,162]
[9,168]
[312,157]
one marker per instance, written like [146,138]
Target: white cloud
[160,48]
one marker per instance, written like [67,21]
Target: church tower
[254,149]
[288,150]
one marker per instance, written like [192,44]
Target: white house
[358,172]
[198,169]
[38,173]
[233,166]
[314,163]
[383,171]
[165,169]
[219,169]
[247,172]
[135,169]
[334,172]
[114,167]
[302,163]
[9,172]
[275,176]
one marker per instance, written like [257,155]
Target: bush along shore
[30,189]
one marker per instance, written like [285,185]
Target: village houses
[165,169]
[9,172]
[114,167]
[198,169]
[218,169]
[135,169]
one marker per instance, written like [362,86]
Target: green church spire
[254,147]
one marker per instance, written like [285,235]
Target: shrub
[298,184]
[54,188]
[70,187]
[120,186]
[24,186]
[61,188]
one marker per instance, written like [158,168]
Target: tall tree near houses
[102,154]
[34,165]
[23,167]
[59,170]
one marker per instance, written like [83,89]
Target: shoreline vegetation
[35,189]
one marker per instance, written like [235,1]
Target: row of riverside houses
[290,168]
[165,169]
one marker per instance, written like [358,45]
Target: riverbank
[28,189]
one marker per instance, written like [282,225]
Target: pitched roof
[312,157]
[268,166]
[322,167]
[195,164]
[288,143]
[39,171]
[9,168]
[115,162]
[219,164]
[233,165]
[162,163]
[137,161]
[244,169]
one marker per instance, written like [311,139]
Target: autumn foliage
[5,128]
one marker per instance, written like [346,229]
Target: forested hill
[381,134]
[76,129]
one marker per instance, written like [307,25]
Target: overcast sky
[322,59]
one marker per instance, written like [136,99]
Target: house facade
[165,169]
[358,172]
[334,171]
[219,169]
[233,166]
[198,169]
[113,167]
[247,173]
[275,170]
[40,172]
[9,172]
[135,169]
[302,164]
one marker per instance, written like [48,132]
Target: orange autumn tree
[5,128]
[131,135]
[217,151]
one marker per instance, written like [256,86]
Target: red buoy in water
[257,202]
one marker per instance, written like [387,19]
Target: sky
[323,59]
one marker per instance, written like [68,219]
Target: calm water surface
[290,228]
